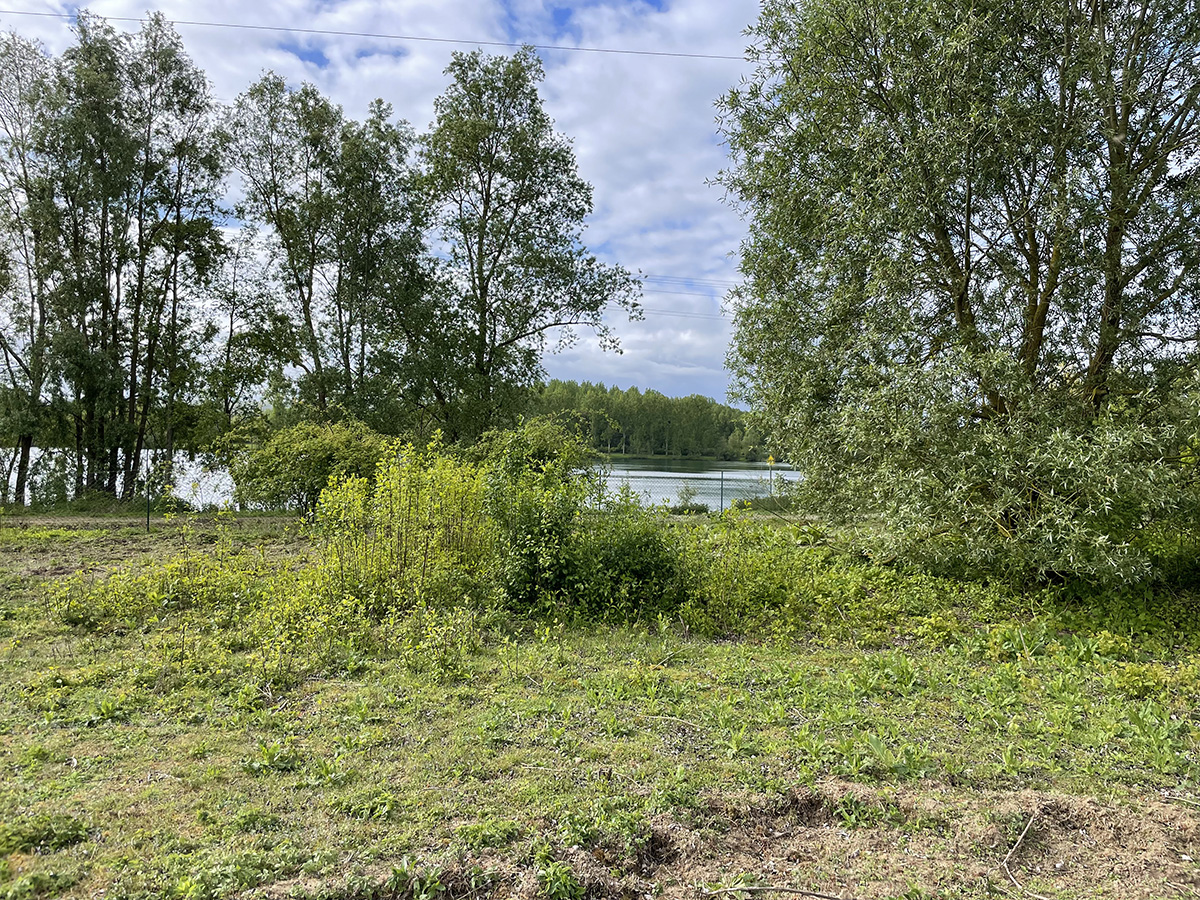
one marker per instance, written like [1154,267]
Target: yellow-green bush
[416,534]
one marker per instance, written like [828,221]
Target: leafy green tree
[290,468]
[345,223]
[608,418]
[283,143]
[25,283]
[244,336]
[112,174]
[971,303]
[508,207]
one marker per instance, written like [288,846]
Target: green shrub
[294,465]
[623,562]
[748,576]
[741,573]
[539,481]
[566,544]
[416,534]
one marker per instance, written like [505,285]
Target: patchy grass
[890,737]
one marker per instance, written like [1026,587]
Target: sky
[643,126]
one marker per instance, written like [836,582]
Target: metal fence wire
[204,494]
[704,491]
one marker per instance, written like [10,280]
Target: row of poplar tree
[409,281]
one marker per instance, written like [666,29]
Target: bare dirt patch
[927,841]
[938,838]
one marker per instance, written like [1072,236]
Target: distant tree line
[647,423]
[409,282]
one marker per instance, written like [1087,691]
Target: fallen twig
[666,659]
[1008,871]
[767,889]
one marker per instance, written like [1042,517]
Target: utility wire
[654,290]
[393,37]
[680,314]
[684,281]
[671,280]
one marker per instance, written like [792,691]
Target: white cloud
[643,128]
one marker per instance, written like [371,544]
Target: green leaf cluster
[972,292]
[291,468]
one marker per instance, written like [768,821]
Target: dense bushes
[414,534]
[291,468]
[419,561]
[569,546]
[407,562]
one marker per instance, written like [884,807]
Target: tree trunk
[24,448]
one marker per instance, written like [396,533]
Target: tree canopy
[971,301]
[509,207]
[357,278]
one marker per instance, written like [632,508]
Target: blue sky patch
[311,55]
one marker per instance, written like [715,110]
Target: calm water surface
[715,484]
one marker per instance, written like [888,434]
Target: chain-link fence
[707,489]
[169,496]
[191,490]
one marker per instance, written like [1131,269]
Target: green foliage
[377,805]
[964,317]
[430,640]
[43,833]
[38,885]
[567,545]
[538,485]
[222,583]
[647,423]
[294,465]
[747,575]
[344,224]
[272,756]
[404,564]
[102,189]
[489,833]
[589,736]
[556,881]
[416,533]
[416,883]
[508,205]
[253,820]
[856,812]
[624,563]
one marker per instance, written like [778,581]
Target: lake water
[193,482]
[715,484]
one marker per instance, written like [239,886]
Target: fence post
[722,507]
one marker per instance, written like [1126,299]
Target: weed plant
[488,658]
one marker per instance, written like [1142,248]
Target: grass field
[893,743]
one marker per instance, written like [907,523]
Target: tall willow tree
[971,305]
[342,216]
[25,281]
[508,205]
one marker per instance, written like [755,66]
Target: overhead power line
[685,281]
[680,314]
[654,290]
[393,37]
